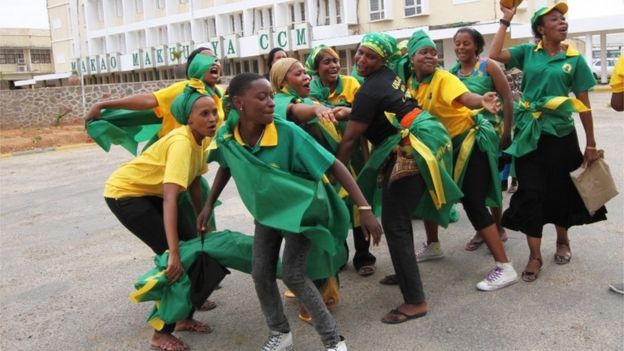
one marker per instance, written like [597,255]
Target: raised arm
[497,52]
[134,102]
[488,101]
[304,113]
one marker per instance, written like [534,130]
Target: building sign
[216,44]
[265,41]
[160,56]
[113,62]
[230,46]
[281,38]
[172,53]
[185,47]
[302,38]
[136,60]
[147,55]
[92,65]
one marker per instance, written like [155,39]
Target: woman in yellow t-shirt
[475,145]
[160,101]
[143,193]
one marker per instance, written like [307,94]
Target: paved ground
[67,267]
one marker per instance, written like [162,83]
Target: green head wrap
[183,104]
[382,44]
[420,39]
[309,62]
[201,64]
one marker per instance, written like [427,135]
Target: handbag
[594,183]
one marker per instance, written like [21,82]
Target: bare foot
[191,325]
[167,342]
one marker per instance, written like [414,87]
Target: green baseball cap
[560,6]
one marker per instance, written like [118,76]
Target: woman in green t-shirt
[545,147]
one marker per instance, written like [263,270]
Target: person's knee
[293,276]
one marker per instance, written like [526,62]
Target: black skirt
[546,193]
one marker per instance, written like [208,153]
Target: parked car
[596,70]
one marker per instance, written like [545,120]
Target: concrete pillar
[588,49]
[603,58]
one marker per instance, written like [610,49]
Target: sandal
[529,276]
[395,317]
[208,305]
[563,259]
[171,343]
[366,271]
[474,243]
[193,326]
[390,280]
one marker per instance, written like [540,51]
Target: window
[338,11]
[236,23]
[160,4]
[211,27]
[413,7]
[118,8]
[99,4]
[183,2]
[376,10]
[138,6]
[12,56]
[40,56]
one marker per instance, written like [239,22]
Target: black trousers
[476,184]
[400,198]
[143,217]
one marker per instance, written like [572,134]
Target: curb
[46,149]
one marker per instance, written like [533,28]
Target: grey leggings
[267,242]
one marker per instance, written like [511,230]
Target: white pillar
[589,45]
[603,58]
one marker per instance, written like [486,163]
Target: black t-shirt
[382,91]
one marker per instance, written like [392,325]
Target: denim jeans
[267,242]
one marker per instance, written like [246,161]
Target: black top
[382,91]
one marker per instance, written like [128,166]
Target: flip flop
[390,279]
[208,305]
[194,327]
[400,317]
[563,259]
[366,271]
[473,244]
[532,276]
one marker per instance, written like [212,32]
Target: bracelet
[504,22]
[590,147]
[365,208]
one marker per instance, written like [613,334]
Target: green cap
[560,6]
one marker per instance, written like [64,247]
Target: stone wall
[42,107]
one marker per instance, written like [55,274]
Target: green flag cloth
[307,207]
[124,127]
[321,93]
[431,148]
[484,136]
[324,132]
[529,121]
[230,249]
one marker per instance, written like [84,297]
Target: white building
[133,40]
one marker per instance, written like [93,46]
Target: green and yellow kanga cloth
[172,301]
[484,136]
[306,207]
[329,137]
[528,117]
[430,145]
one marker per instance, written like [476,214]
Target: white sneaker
[341,346]
[278,342]
[502,275]
[432,251]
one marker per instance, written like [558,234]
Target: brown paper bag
[595,184]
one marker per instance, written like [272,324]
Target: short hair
[192,55]
[239,84]
[272,55]
[476,36]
